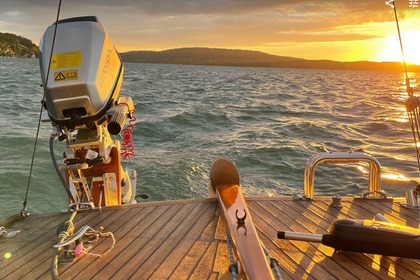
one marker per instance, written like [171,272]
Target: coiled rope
[93,236]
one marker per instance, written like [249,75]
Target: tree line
[12,45]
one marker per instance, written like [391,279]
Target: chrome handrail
[337,158]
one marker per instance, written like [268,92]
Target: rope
[273,263]
[66,232]
[412,103]
[93,236]
[24,210]
[393,6]
[391,3]
[414,117]
[233,268]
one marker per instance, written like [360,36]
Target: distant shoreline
[245,58]
[12,45]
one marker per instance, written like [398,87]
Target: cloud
[163,24]
[12,13]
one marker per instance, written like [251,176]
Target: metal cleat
[377,194]
[336,202]
[72,239]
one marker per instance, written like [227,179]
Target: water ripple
[267,121]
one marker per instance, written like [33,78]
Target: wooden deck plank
[143,219]
[266,216]
[287,254]
[185,240]
[84,270]
[40,256]
[136,240]
[201,271]
[354,211]
[31,232]
[311,223]
[93,219]
[176,245]
[222,261]
[183,246]
[324,221]
[33,252]
[382,265]
[191,260]
[398,214]
[153,243]
[319,254]
[351,264]
[32,261]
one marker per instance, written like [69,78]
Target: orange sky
[337,30]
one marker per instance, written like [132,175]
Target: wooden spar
[224,181]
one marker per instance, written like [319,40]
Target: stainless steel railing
[339,158]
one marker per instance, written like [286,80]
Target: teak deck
[186,240]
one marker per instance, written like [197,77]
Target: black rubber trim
[76,19]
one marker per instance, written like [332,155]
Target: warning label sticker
[66,75]
[66,60]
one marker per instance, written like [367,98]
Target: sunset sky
[350,30]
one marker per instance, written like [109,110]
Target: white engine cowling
[85,71]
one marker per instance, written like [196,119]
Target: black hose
[57,169]
[54,263]
[64,231]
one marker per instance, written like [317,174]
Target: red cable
[127,148]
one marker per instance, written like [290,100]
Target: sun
[411,45]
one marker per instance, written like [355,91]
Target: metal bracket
[302,197]
[81,206]
[241,221]
[377,194]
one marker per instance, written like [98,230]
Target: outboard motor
[85,71]
[82,79]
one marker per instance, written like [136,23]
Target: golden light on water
[401,120]
[400,115]
[363,169]
[395,177]
[388,176]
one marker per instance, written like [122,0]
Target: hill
[16,46]
[246,58]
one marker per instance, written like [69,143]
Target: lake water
[267,121]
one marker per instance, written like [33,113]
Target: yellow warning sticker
[66,60]
[60,76]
